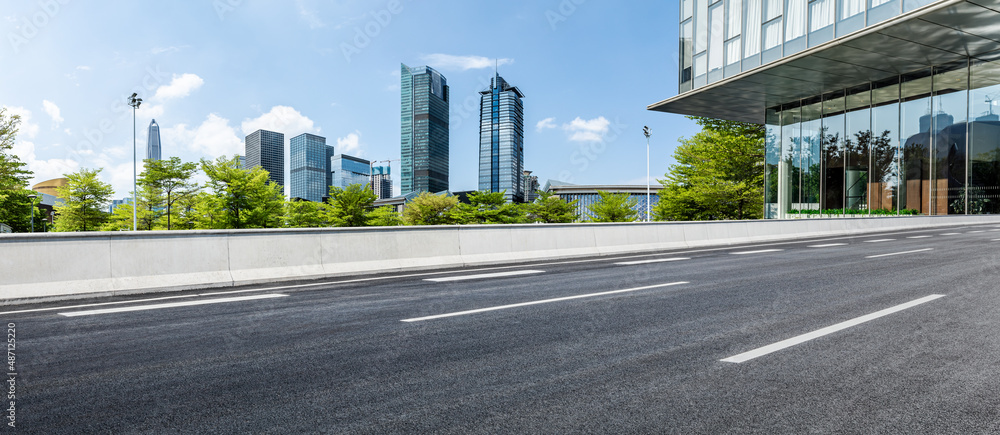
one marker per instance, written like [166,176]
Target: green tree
[385,216]
[719,174]
[15,205]
[305,214]
[614,207]
[170,181]
[240,198]
[430,209]
[349,206]
[552,209]
[487,207]
[85,197]
[120,219]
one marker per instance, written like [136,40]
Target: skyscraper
[267,150]
[424,117]
[346,170]
[309,171]
[381,182]
[153,141]
[501,140]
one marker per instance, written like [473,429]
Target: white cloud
[180,86]
[592,130]
[350,144]
[53,111]
[545,123]
[42,169]
[152,111]
[213,138]
[120,177]
[462,63]
[26,129]
[281,119]
[83,68]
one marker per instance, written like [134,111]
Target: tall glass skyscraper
[267,150]
[381,182]
[153,141]
[424,118]
[346,170]
[501,140]
[310,171]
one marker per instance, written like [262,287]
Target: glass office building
[586,196]
[346,170]
[381,183]
[153,151]
[424,130]
[869,105]
[501,140]
[310,170]
[267,150]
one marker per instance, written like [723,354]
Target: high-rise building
[424,118]
[153,151]
[501,140]
[530,187]
[381,182]
[267,150]
[346,170]
[309,170]
[882,105]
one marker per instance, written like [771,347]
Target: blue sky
[212,71]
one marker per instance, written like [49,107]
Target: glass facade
[267,150]
[927,142]
[501,140]
[424,130]
[585,200]
[153,151]
[721,38]
[381,182]
[309,172]
[346,170]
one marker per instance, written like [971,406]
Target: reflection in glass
[857,142]
[949,126]
[915,137]
[984,139]
[832,145]
[884,175]
[790,153]
[772,160]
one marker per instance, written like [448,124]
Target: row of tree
[718,175]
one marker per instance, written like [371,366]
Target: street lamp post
[646,131]
[134,102]
[32,198]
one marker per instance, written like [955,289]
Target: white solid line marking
[97,305]
[879,240]
[756,252]
[545,301]
[900,253]
[171,305]
[484,275]
[827,245]
[658,260]
[761,351]
[918,237]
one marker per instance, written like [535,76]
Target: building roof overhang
[937,34]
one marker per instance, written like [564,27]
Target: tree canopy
[487,207]
[719,174]
[551,209]
[85,199]
[430,209]
[15,205]
[614,207]
[349,206]
[239,198]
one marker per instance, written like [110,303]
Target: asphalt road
[575,346]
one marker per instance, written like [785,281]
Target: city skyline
[208,90]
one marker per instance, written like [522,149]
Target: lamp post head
[133,101]
[32,196]
[646,131]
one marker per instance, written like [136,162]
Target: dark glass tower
[267,150]
[424,142]
[501,140]
[153,141]
[310,174]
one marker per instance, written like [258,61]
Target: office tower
[424,143]
[153,141]
[346,170]
[309,170]
[501,140]
[866,105]
[530,187]
[381,182]
[267,150]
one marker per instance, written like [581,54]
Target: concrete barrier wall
[54,265]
